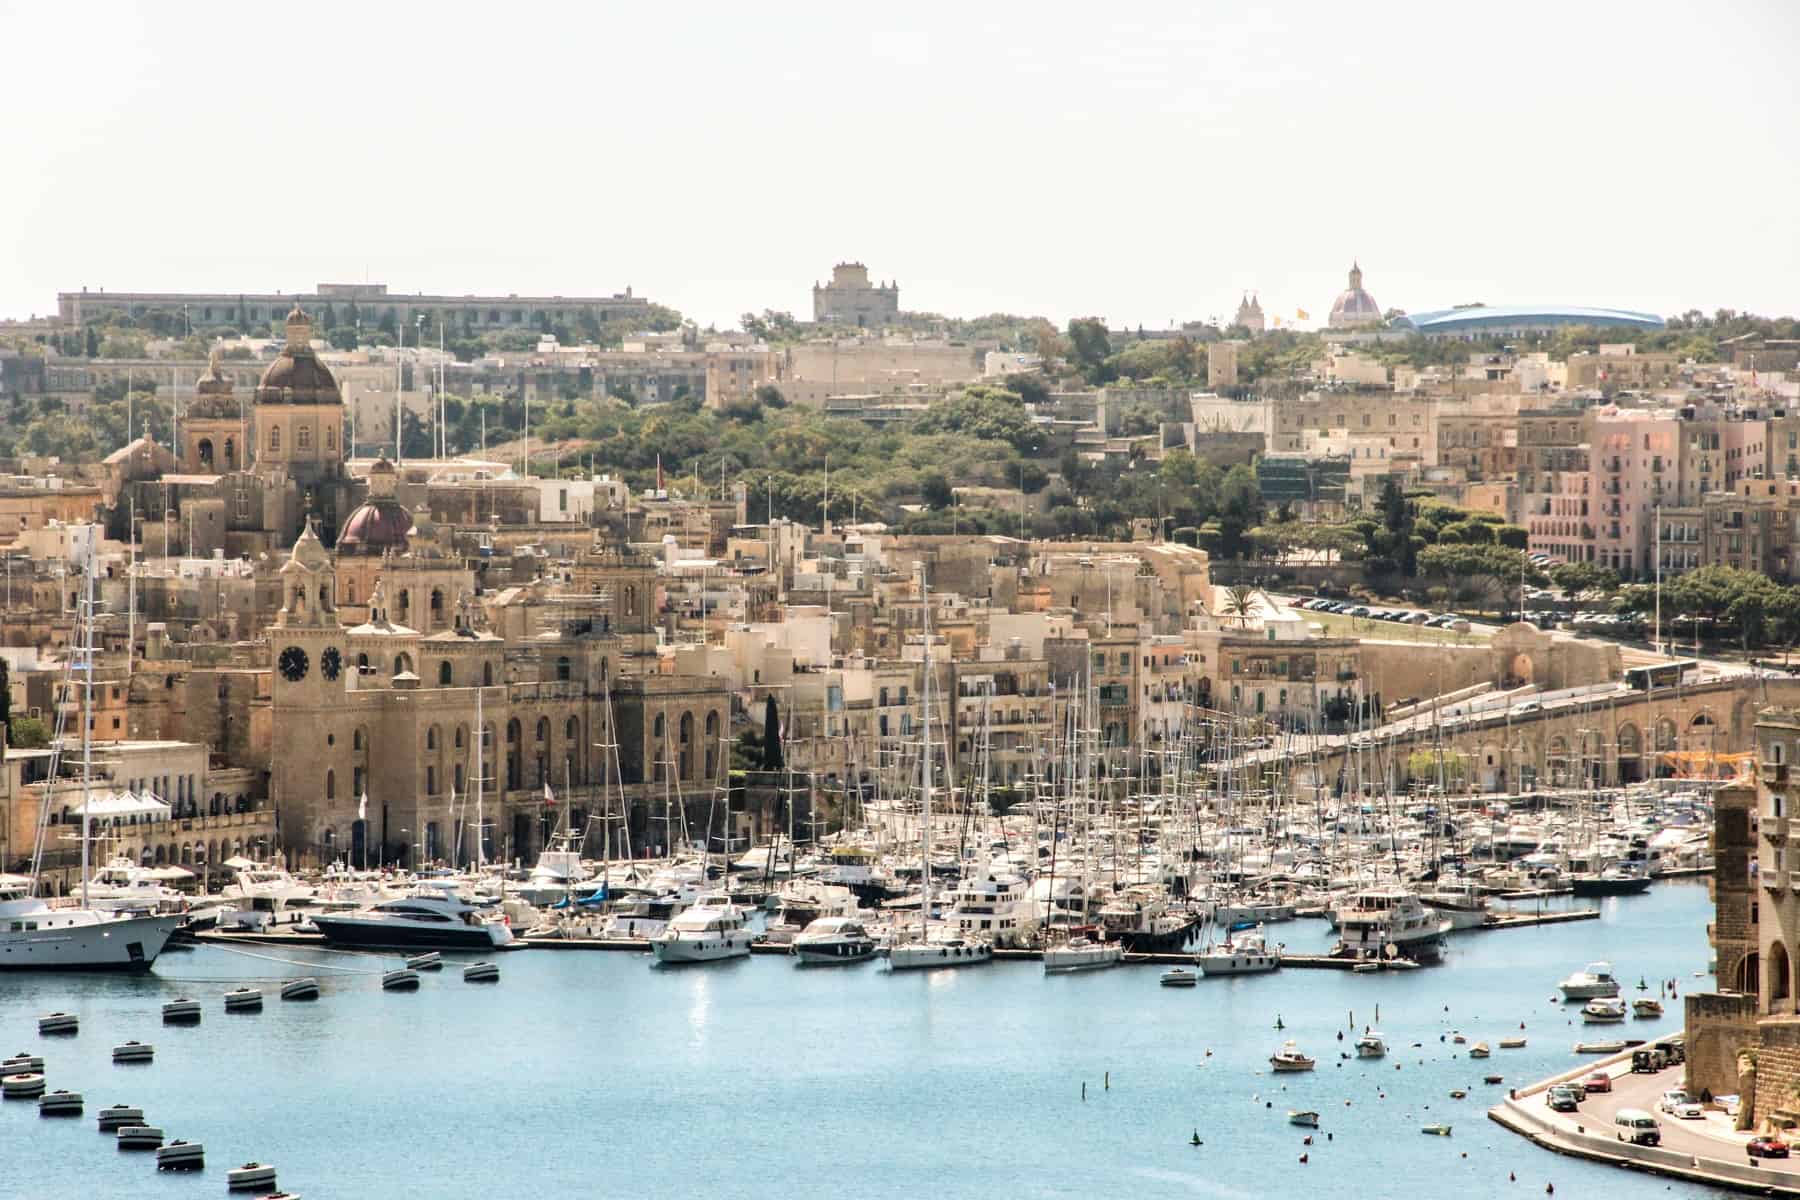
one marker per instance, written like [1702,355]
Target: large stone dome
[297,376]
[1354,306]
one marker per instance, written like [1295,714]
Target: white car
[1678,1103]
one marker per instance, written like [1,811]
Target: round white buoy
[300,989]
[134,1052]
[252,1175]
[59,1022]
[403,980]
[60,1104]
[140,1137]
[22,1086]
[182,1011]
[116,1115]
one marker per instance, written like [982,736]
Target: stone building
[851,299]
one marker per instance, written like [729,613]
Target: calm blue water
[599,1075]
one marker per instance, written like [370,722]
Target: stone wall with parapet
[1720,1025]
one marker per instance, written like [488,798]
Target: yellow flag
[1300,314]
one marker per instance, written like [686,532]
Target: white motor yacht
[122,886]
[712,929]
[1081,954]
[1371,1045]
[261,887]
[1591,982]
[1377,923]
[1244,953]
[641,917]
[558,873]
[432,916]
[994,906]
[1462,905]
[34,936]
[834,940]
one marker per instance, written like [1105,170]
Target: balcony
[1774,829]
[1773,773]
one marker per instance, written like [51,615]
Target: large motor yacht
[1462,904]
[641,916]
[1589,983]
[34,936]
[713,929]
[431,916]
[1388,923]
[994,906]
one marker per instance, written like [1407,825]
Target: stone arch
[431,738]
[1631,753]
[1749,974]
[205,449]
[1520,670]
[437,607]
[1778,980]
[403,663]
[161,859]
[685,736]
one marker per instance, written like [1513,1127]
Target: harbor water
[599,1074]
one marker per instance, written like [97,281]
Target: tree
[934,489]
[1240,603]
[1578,579]
[28,733]
[1480,570]
[772,759]
[1089,348]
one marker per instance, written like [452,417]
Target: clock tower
[306,650]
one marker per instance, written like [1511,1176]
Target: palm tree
[1240,602]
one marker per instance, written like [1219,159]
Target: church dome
[297,376]
[1353,305]
[381,523]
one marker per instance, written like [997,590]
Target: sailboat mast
[925,770]
[86,617]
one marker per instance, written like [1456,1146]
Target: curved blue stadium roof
[1481,317]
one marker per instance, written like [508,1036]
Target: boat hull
[713,949]
[834,953]
[345,931]
[1590,886]
[127,944]
[930,956]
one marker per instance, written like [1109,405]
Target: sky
[1143,163]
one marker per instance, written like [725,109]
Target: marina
[873,1058]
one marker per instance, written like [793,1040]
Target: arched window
[487,674]
[444,673]
[350,591]
[205,449]
[431,738]
[324,595]
[462,736]
[405,603]
[512,732]
[274,437]
[402,663]
[356,742]
[543,729]
[687,728]
[571,729]
[331,785]
[437,605]
[657,728]
[362,664]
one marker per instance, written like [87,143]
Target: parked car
[1358,611]
[1767,1147]
[1636,1126]
[1577,1087]
[1599,1081]
[1561,1099]
[1678,1103]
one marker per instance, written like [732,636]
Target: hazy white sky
[1038,158]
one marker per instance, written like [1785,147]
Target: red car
[1599,1081]
[1768,1147]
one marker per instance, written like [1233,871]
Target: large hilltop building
[351,304]
[850,299]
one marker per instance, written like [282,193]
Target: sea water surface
[598,1074]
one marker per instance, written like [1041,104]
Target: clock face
[293,664]
[330,662]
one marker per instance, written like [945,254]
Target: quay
[1690,1151]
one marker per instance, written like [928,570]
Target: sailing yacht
[942,949]
[36,935]
[1081,953]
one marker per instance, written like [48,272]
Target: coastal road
[1710,1137]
